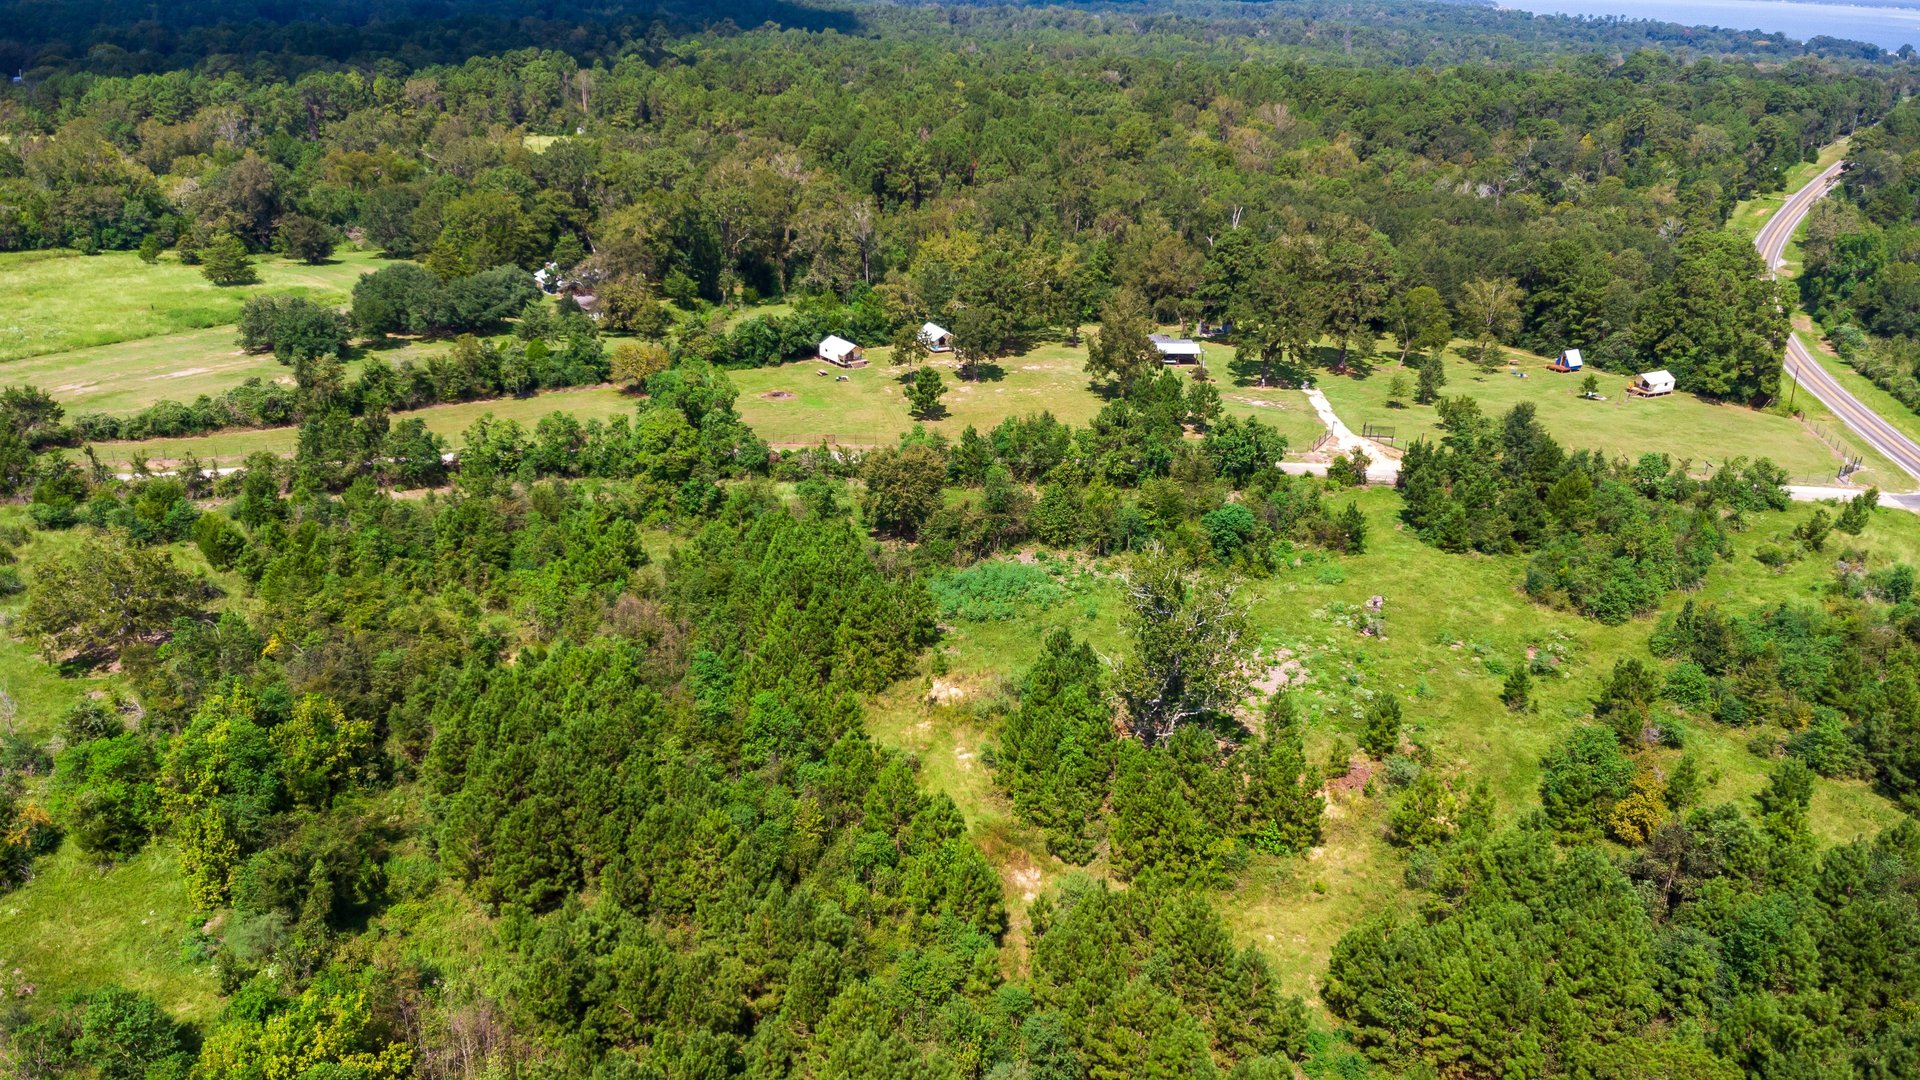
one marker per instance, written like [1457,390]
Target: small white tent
[1571,359]
[838,350]
[936,338]
[1652,383]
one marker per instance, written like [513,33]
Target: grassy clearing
[792,405]
[60,301]
[451,421]
[78,925]
[1453,624]
[1682,425]
[128,376]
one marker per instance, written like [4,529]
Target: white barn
[936,338]
[838,350]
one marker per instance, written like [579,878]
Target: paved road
[1806,370]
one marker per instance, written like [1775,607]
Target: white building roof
[1657,380]
[932,332]
[1170,346]
[1572,357]
[835,347]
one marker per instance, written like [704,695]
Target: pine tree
[1121,352]
[1155,827]
[1433,376]
[1382,736]
[971,458]
[1282,808]
[1518,691]
[1353,530]
[1056,519]
[924,393]
[1451,530]
[1057,749]
[1625,703]
[225,262]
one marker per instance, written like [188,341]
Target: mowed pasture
[1453,624]
[59,301]
[794,405]
[131,375]
[1707,433]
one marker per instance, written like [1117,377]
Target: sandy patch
[1282,672]
[183,373]
[1027,880]
[778,395]
[945,693]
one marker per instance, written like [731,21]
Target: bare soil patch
[1360,769]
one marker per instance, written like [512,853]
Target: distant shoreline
[1892,5]
[1886,24]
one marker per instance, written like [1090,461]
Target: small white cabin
[1570,360]
[936,338]
[1652,384]
[838,350]
[1175,350]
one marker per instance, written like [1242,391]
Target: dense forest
[553,759]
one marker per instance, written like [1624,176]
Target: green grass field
[58,301]
[128,376]
[1685,426]
[451,421]
[1446,618]
[793,405]
[79,925]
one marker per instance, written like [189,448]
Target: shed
[936,338]
[1568,361]
[838,350]
[1175,350]
[1651,384]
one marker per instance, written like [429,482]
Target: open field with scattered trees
[1688,427]
[59,301]
[1006,713]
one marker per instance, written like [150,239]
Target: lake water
[1888,28]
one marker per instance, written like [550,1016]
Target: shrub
[1689,686]
[993,591]
[1349,470]
[291,328]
